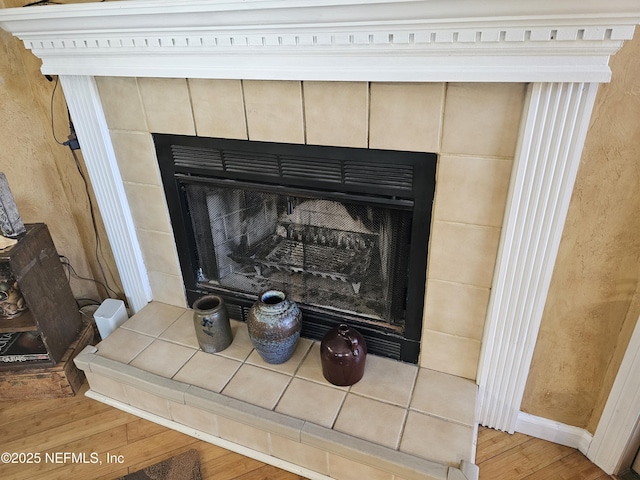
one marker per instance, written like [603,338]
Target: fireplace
[562,47]
[344,231]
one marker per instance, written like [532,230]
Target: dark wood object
[61,380]
[52,310]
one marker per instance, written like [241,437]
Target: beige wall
[42,174]
[593,301]
[473,127]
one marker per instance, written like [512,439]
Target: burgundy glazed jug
[342,353]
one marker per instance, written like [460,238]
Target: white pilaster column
[86,111]
[552,135]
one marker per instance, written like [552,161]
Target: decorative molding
[357,40]
[553,431]
[88,118]
[617,436]
[552,135]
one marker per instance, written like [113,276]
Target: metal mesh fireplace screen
[328,254]
[343,231]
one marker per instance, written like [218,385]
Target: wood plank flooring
[80,425]
[501,456]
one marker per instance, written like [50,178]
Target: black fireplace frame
[404,180]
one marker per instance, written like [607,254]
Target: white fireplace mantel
[359,40]
[561,47]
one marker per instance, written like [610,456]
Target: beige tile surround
[399,422]
[473,128]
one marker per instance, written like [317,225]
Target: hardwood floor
[80,425]
[501,456]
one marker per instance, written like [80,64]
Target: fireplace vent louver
[194,157]
[361,173]
[396,179]
[375,342]
[238,312]
[248,162]
[312,168]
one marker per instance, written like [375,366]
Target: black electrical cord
[105,284]
[90,302]
[95,229]
[53,93]
[71,271]
[47,2]
[41,2]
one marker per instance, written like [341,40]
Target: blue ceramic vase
[274,325]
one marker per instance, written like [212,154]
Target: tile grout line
[292,376]
[402,429]
[407,409]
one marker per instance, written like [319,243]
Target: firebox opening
[342,231]
[327,254]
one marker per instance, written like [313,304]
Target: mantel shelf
[358,40]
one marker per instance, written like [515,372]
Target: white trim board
[553,431]
[351,40]
[552,134]
[85,107]
[616,440]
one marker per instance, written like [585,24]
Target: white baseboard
[553,431]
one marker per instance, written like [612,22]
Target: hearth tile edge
[401,464]
[133,376]
[244,412]
[368,453]
[85,357]
[208,437]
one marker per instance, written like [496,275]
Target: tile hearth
[400,420]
